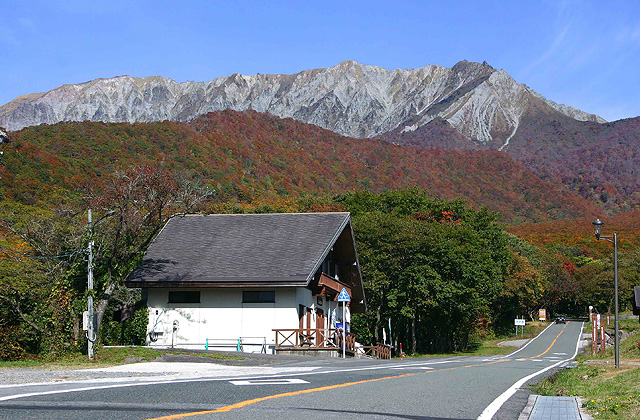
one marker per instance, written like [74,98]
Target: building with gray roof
[230,280]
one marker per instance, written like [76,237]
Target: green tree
[435,267]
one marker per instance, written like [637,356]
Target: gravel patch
[168,365]
[513,343]
[30,376]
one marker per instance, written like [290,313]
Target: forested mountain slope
[599,161]
[250,156]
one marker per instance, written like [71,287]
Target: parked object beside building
[251,282]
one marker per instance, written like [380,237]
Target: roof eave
[195,284]
[324,254]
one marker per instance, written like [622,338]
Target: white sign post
[521,322]
[344,298]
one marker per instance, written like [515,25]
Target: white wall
[222,318]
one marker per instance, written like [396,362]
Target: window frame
[259,296]
[173,295]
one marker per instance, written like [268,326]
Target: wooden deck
[305,339]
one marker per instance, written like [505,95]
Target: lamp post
[597,227]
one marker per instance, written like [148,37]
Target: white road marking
[148,382]
[493,408]
[561,354]
[269,382]
[413,367]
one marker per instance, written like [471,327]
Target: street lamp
[597,227]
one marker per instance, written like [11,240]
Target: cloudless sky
[580,53]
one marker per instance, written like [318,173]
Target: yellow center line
[308,391]
[552,343]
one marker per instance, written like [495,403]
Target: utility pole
[615,275]
[90,327]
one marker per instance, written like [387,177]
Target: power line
[43,256]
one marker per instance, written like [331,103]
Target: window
[329,265]
[184,297]
[258,297]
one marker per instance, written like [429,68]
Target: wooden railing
[381,351]
[313,338]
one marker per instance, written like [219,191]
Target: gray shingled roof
[284,248]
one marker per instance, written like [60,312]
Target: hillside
[599,161]
[576,237]
[251,156]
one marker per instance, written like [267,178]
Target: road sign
[520,322]
[344,296]
[542,314]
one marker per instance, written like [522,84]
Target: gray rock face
[352,99]
[3,136]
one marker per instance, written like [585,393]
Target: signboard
[542,314]
[340,325]
[344,296]
[85,320]
[521,322]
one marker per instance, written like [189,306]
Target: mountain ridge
[349,98]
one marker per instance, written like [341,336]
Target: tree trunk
[376,336]
[16,306]
[76,327]
[413,335]
[104,301]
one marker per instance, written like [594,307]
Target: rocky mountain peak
[357,100]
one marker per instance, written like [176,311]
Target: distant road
[430,388]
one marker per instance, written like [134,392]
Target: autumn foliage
[247,156]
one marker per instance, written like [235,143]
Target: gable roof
[240,250]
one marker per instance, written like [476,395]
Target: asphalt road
[430,388]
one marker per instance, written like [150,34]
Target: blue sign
[344,296]
[340,325]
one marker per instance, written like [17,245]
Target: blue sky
[580,53]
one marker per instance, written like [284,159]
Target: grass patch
[488,346]
[609,393]
[105,357]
